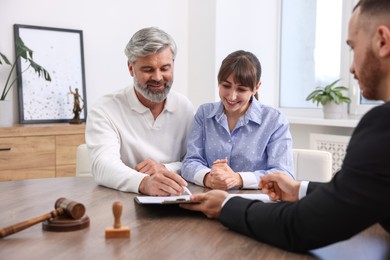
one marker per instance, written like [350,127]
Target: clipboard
[183,199]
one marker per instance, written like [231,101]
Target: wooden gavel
[62,207]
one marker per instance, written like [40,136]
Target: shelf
[347,122]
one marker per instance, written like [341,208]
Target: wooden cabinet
[39,150]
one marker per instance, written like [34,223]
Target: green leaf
[313,94]
[333,83]
[5,59]
[341,88]
[345,100]
[328,93]
[333,96]
[22,51]
[324,100]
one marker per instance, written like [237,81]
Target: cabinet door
[27,157]
[66,148]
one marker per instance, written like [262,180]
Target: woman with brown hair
[238,139]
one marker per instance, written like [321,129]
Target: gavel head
[72,208]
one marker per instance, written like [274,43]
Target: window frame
[355,108]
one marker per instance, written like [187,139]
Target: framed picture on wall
[60,52]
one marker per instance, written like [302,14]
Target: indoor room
[78,52]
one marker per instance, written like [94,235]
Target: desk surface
[157,231]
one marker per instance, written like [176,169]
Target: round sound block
[61,224]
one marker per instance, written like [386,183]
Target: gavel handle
[28,223]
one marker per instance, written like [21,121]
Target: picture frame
[60,52]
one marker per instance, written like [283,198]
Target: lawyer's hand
[209,203]
[279,186]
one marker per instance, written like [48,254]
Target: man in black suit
[358,196]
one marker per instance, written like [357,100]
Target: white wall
[251,25]
[107,27]
[301,133]
[202,48]
[219,27]
[205,31]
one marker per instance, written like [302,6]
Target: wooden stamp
[117,231]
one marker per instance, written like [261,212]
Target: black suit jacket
[357,197]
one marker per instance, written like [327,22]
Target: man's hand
[209,203]
[222,177]
[150,167]
[161,181]
[162,184]
[279,186]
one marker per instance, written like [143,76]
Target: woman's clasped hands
[222,177]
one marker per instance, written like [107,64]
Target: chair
[309,165]
[83,164]
[312,165]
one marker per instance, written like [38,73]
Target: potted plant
[331,98]
[22,51]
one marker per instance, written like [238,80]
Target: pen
[186,190]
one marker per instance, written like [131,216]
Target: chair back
[309,165]
[312,165]
[83,164]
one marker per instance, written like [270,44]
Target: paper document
[163,200]
[186,198]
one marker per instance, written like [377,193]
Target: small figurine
[76,106]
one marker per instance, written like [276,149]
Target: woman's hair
[149,41]
[244,66]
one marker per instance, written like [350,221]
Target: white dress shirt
[301,193]
[121,132]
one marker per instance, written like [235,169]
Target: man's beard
[370,76]
[155,97]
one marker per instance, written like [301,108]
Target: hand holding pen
[186,191]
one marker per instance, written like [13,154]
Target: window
[313,52]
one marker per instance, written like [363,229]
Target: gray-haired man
[137,137]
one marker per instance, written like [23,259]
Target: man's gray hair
[149,41]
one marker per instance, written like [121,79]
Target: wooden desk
[157,232]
